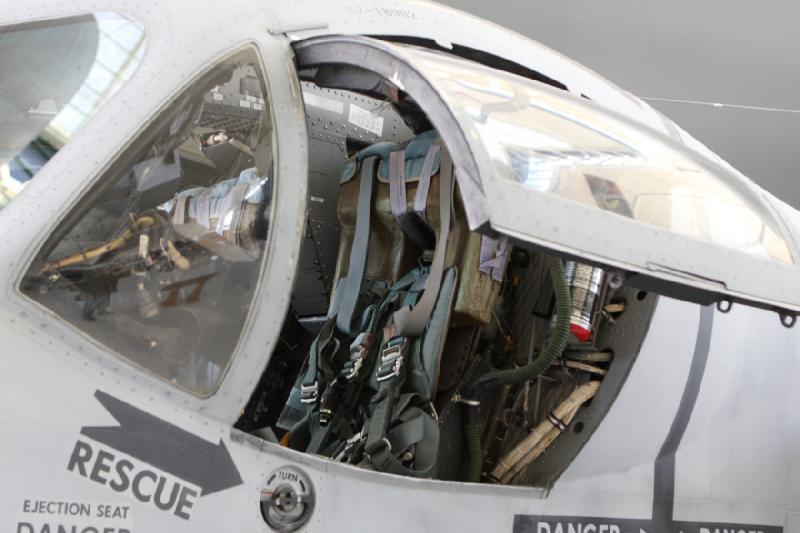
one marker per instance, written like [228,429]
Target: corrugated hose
[552,351]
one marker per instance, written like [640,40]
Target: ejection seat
[408,270]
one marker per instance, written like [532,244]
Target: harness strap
[424,184]
[389,368]
[305,392]
[358,253]
[309,386]
[336,384]
[340,392]
[415,438]
[412,322]
[410,223]
[319,436]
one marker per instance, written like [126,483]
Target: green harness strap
[415,425]
[358,252]
[305,392]
[309,386]
[415,429]
[398,426]
[399,431]
[342,393]
[412,322]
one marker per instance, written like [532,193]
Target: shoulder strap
[410,223]
[424,184]
[351,285]
[305,392]
[412,322]
[337,402]
[309,386]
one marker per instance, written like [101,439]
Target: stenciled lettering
[81,455]
[576,527]
[124,476]
[28,527]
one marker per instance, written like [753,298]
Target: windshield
[63,71]
[161,259]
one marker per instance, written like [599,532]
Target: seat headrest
[415,151]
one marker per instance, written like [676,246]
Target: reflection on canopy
[41,112]
[552,144]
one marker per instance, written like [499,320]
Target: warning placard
[587,524]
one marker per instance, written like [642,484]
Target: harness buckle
[309,393]
[392,358]
[349,444]
[426,258]
[358,352]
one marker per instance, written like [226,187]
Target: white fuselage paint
[737,462]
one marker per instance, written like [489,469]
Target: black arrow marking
[664,476]
[166,447]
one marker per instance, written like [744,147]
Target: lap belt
[399,431]
[342,390]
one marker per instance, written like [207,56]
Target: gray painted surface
[718,51]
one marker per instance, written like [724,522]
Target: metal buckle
[358,352]
[349,445]
[426,258]
[392,359]
[308,393]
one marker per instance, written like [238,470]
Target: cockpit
[429,333]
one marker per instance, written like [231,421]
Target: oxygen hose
[554,348]
[140,224]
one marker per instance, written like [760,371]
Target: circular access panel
[287,499]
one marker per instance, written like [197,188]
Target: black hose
[472,432]
[555,347]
